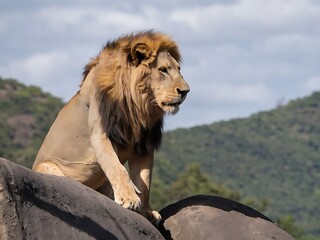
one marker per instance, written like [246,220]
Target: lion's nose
[183,92]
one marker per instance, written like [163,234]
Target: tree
[191,182]
[288,224]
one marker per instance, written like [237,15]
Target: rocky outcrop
[36,206]
[209,217]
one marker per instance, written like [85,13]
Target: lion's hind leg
[153,216]
[49,168]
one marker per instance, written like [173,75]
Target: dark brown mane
[119,130]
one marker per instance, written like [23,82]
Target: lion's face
[167,84]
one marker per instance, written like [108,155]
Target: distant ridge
[273,155]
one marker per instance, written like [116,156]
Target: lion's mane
[128,114]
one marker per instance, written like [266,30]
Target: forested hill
[26,113]
[272,155]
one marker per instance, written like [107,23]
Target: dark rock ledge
[36,206]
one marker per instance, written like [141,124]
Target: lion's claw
[133,203]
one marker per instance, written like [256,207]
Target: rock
[36,206]
[215,218]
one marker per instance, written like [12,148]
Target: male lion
[117,116]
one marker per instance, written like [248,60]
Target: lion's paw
[130,202]
[153,216]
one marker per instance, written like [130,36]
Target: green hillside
[272,155]
[270,161]
[26,113]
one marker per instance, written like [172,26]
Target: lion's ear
[139,53]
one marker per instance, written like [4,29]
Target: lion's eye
[163,70]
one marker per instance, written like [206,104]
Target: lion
[117,117]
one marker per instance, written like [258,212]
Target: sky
[240,57]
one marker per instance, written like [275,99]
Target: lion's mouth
[171,104]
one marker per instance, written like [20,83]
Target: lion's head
[139,80]
[167,84]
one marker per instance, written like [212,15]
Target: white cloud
[60,17]
[3,24]
[38,68]
[227,93]
[89,20]
[282,45]
[313,84]
[248,19]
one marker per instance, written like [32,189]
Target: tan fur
[116,117]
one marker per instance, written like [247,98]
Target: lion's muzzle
[182,94]
[182,89]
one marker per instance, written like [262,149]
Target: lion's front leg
[124,191]
[141,174]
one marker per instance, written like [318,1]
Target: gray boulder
[36,206]
[207,217]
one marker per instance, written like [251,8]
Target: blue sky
[239,57]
